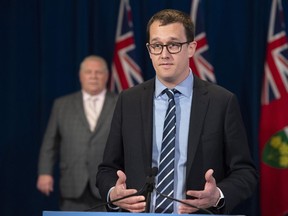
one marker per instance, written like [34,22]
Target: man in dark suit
[213,168]
[77,131]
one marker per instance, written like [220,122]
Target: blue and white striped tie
[165,183]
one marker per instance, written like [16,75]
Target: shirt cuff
[111,206]
[221,201]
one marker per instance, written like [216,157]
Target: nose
[94,74]
[165,53]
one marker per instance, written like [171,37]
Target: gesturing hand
[204,198]
[133,203]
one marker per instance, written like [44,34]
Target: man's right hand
[45,184]
[133,203]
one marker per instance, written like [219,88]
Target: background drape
[42,43]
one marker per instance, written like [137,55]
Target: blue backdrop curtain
[43,42]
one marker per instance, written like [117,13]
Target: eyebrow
[172,39]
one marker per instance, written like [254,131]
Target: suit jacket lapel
[79,106]
[199,108]
[105,111]
[147,119]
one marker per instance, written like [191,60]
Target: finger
[138,207]
[121,174]
[209,176]
[45,191]
[50,189]
[194,194]
[133,204]
[121,177]
[185,209]
[127,192]
[133,200]
[44,188]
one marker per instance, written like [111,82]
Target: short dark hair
[168,16]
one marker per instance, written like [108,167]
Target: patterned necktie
[92,112]
[166,165]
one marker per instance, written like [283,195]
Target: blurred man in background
[77,132]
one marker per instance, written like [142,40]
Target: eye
[173,45]
[87,71]
[156,46]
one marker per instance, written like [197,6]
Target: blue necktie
[165,183]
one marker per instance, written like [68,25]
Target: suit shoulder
[68,97]
[149,84]
[220,90]
[214,89]
[111,95]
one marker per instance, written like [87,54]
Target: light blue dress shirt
[183,108]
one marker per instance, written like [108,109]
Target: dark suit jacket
[217,140]
[80,150]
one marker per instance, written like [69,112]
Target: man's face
[93,76]
[171,69]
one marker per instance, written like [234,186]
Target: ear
[150,55]
[192,48]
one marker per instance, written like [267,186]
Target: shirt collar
[87,96]
[185,87]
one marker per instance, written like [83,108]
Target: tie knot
[92,98]
[170,92]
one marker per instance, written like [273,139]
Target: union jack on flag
[275,82]
[200,62]
[125,71]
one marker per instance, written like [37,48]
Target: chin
[93,92]
[168,75]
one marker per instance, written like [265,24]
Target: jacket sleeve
[50,146]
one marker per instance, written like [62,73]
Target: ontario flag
[273,134]
[125,71]
[200,62]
